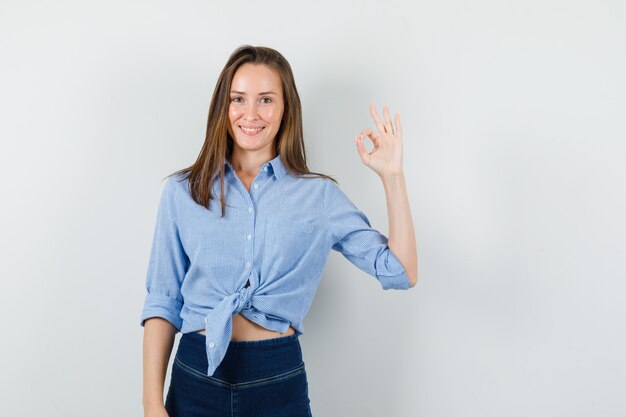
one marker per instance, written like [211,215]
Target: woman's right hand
[155,411]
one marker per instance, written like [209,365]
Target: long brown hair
[218,144]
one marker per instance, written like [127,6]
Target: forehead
[254,78]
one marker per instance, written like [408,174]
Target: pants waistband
[245,360]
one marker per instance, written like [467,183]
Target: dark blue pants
[256,378]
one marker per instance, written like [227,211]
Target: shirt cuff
[391,273]
[157,305]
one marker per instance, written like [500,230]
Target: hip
[263,378]
[246,362]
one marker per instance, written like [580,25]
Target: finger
[379,124]
[372,135]
[398,125]
[369,132]
[388,125]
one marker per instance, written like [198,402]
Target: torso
[244,329]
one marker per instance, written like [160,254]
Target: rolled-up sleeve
[168,263]
[364,246]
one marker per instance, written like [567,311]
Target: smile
[251,132]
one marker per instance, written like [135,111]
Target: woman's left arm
[386,161]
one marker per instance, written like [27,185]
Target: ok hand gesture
[386,157]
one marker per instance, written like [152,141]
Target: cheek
[234,114]
[273,115]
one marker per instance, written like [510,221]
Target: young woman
[241,240]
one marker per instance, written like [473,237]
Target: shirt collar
[276,165]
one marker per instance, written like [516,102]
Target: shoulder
[311,182]
[176,181]
[176,187]
[331,189]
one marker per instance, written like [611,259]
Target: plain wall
[514,151]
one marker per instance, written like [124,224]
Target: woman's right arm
[158,340]
[160,316]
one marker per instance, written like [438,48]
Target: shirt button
[248,264]
[256,185]
[249,237]
[211,345]
[249,209]
[264,168]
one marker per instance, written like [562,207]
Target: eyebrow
[263,93]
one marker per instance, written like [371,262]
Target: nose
[250,111]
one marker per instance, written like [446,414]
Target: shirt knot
[245,299]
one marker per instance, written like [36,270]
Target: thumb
[361,148]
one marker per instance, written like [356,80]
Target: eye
[235,99]
[270,100]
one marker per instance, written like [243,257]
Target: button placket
[248,248]
[251,197]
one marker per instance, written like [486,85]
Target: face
[256,107]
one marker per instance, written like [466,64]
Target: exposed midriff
[244,329]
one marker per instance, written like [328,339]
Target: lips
[251,131]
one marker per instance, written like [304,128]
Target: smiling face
[256,107]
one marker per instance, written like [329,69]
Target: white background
[515,149]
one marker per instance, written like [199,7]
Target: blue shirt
[263,259]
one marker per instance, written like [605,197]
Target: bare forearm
[401,232]
[158,340]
